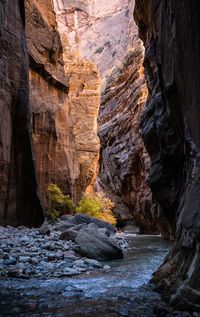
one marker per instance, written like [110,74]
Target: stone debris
[26,253]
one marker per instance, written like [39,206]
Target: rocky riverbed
[73,245]
[122,290]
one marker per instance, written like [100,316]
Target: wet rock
[60,255]
[51,257]
[81,219]
[70,271]
[93,263]
[63,226]
[69,235]
[44,229]
[96,246]
[107,267]
[131,229]
[65,217]
[79,227]
[104,231]
[79,263]
[24,259]
[10,261]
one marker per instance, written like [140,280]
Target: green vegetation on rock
[96,205]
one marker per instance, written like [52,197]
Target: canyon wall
[123,159]
[64,97]
[105,33]
[19,198]
[100,31]
[171,133]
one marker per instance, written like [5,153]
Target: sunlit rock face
[65,97]
[19,199]
[105,33]
[171,132]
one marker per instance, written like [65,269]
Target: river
[121,291]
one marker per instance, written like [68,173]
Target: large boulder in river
[95,245]
[69,235]
[84,219]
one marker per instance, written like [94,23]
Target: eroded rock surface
[64,95]
[96,245]
[19,199]
[123,159]
[105,33]
[100,31]
[170,128]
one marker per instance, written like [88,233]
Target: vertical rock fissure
[171,135]
[19,199]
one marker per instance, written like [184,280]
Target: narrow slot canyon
[99,158]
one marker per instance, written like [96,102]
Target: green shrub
[59,203]
[98,206]
[54,214]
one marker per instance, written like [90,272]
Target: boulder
[65,217]
[63,226]
[97,246]
[69,235]
[131,229]
[44,229]
[81,218]
[79,227]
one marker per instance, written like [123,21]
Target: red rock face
[170,128]
[19,200]
[65,97]
[105,33]
[124,161]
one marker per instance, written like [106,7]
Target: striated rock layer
[171,132]
[105,33]
[123,158]
[65,97]
[102,31]
[19,200]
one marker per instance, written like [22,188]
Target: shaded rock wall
[124,161]
[170,128]
[19,199]
[64,96]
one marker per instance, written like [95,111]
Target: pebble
[26,253]
[107,267]
[24,259]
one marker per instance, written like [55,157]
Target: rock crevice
[19,197]
[171,135]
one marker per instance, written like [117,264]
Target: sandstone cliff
[64,97]
[123,158]
[19,199]
[102,31]
[170,129]
[105,33]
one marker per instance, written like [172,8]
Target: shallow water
[120,291]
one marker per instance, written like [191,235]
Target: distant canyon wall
[171,133]
[101,31]
[105,33]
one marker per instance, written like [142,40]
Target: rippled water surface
[120,291]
